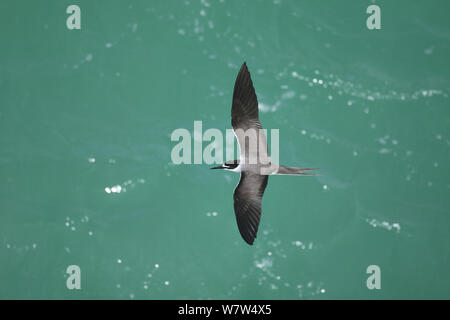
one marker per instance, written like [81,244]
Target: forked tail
[296,171]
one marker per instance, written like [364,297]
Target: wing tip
[243,86]
[248,236]
[244,67]
[249,241]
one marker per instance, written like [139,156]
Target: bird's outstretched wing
[244,116]
[247,204]
[244,110]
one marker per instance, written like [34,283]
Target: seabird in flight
[254,163]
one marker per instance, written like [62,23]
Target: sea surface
[87,178]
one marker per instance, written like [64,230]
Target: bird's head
[229,165]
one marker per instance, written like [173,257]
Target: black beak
[219,167]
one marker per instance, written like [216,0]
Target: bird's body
[254,163]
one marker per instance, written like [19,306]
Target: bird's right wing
[244,110]
[244,119]
[247,204]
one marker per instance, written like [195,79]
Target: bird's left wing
[247,204]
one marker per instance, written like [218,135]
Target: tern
[254,163]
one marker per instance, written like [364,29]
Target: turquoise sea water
[86,176]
